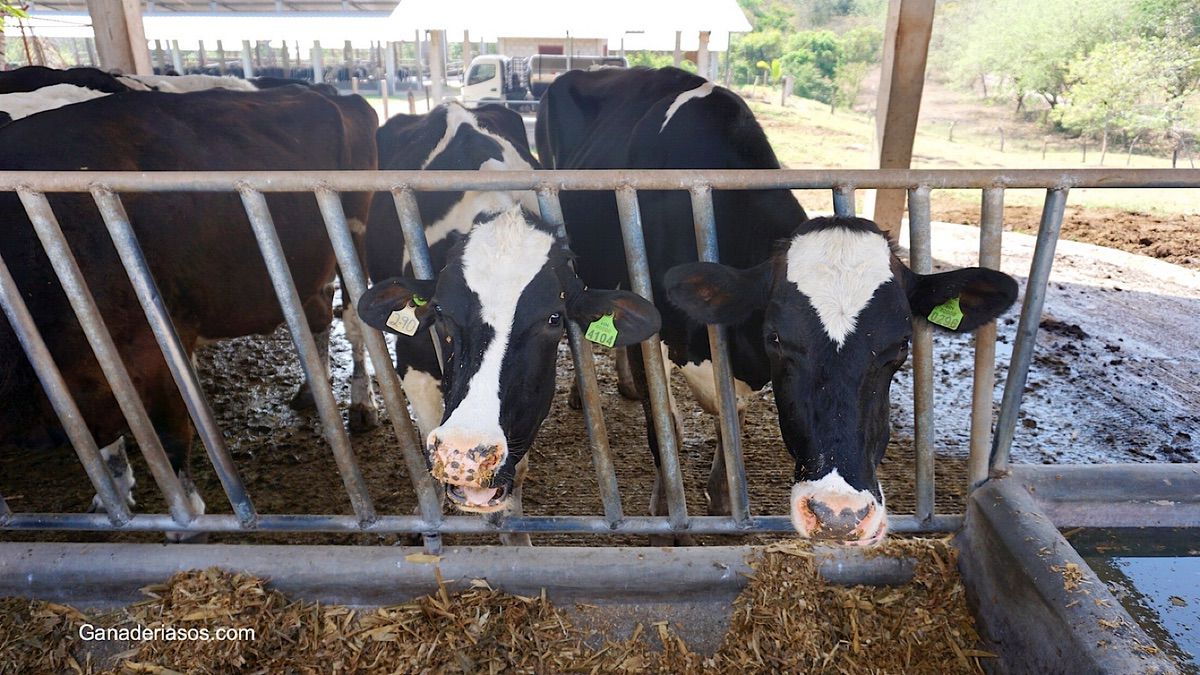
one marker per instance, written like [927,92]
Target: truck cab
[492,78]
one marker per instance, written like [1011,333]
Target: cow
[667,118]
[498,305]
[35,89]
[200,248]
[32,89]
[834,308]
[450,137]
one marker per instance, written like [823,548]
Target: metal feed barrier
[988,453]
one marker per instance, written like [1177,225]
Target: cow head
[836,307]
[499,306]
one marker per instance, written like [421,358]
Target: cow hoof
[628,391]
[362,418]
[303,400]
[187,537]
[574,401]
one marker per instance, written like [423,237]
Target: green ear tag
[419,301]
[948,314]
[602,331]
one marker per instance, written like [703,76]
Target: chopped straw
[786,620]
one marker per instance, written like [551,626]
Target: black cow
[667,118]
[32,89]
[498,305]
[199,246]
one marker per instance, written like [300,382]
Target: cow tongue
[479,495]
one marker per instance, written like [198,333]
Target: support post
[678,55]
[247,63]
[120,37]
[420,61]
[220,58]
[466,51]
[176,57]
[159,60]
[389,65]
[318,63]
[905,48]
[437,65]
[702,56]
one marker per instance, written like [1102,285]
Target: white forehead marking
[699,92]
[25,103]
[501,257]
[838,271]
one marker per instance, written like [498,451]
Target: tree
[1115,88]
[811,58]
[1026,44]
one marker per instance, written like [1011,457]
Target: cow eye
[555,319]
[773,337]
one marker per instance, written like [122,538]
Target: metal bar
[589,390]
[177,358]
[418,248]
[451,524]
[705,224]
[991,224]
[656,375]
[5,512]
[1031,315]
[60,397]
[84,305]
[385,373]
[638,179]
[843,200]
[920,252]
[318,381]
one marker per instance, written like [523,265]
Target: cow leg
[658,493]
[625,384]
[703,386]
[174,428]
[303,400]
[117,461]
[515,508]
[364,416]
[319,311]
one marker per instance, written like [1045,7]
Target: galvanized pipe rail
[32,188]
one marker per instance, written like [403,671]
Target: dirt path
[1171,237]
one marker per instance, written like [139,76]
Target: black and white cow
[499,304]
[670,119]
[33,89]
[834,309]
[654,119]
[449,138]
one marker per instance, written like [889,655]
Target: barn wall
[525,46]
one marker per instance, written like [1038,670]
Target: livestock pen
[1008,533]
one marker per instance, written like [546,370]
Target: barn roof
[641,24]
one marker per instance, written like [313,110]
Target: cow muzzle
[466,462]
[831,510]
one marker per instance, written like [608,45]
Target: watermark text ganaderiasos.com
[138,633]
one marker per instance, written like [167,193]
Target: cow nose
[465,458]
[841,523]
[832,510]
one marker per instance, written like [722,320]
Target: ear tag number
[948,314]
[405,321]
[602,331]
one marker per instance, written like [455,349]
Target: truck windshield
[481,72]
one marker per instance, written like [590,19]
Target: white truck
[520,82]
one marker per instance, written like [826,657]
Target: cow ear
[634,317]
[376,305]
[715,293]
[981,294]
